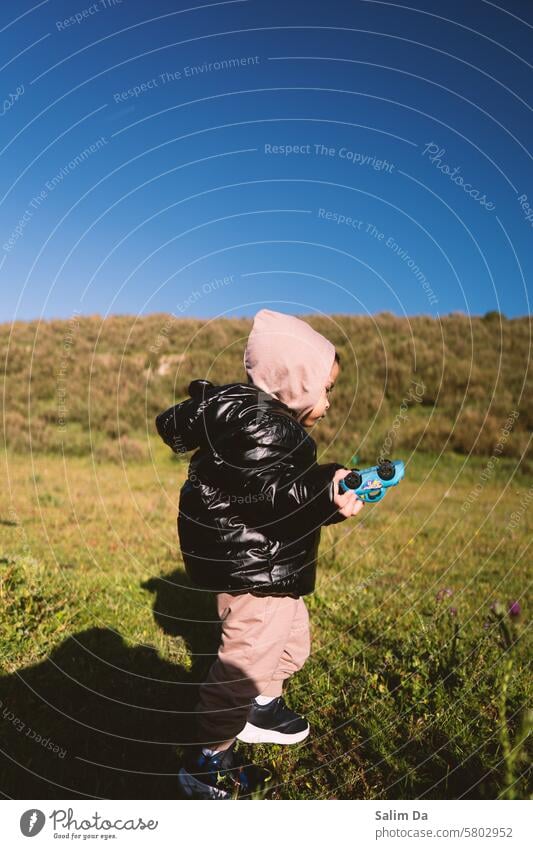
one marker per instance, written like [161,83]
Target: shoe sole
[253,734]
[195,789]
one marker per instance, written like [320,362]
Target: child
[249,524]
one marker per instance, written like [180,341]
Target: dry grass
[412,384]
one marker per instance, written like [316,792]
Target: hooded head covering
[289,360]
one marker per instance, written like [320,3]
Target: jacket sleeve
[336,517]
[260,470]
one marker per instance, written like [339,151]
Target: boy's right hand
[347,503]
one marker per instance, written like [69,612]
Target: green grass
[103,641]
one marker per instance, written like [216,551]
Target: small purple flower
[453,611]
[444,593]
[514,609]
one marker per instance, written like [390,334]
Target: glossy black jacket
[255,499]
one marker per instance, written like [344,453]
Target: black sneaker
[273,723]
[220,776]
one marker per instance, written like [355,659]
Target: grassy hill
[92,385]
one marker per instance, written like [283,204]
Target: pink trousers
[264,641]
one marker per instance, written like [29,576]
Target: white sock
[208,752]
[264,700]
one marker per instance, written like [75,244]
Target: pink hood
[288,359]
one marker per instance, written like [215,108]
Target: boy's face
[322,406]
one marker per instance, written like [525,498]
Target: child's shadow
[99,718]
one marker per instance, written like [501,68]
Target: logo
[31,822]
[372,484]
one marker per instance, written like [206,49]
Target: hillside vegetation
[89,385]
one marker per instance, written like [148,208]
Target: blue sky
[208,159]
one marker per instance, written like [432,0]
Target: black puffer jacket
[255,499]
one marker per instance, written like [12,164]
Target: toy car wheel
[353,479]
[386,470]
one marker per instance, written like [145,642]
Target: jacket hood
[289,360]
[213,410]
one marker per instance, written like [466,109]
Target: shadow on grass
[101,719]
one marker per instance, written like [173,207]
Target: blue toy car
[371,484]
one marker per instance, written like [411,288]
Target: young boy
[249,524]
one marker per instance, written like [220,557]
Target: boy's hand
[347,503]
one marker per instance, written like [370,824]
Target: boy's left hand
[347,503]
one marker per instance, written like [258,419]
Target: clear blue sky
[210,159]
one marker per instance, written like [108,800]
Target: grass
[410,692]
[408,384]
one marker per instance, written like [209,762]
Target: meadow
[418,685]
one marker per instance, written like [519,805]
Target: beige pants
[264,641]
